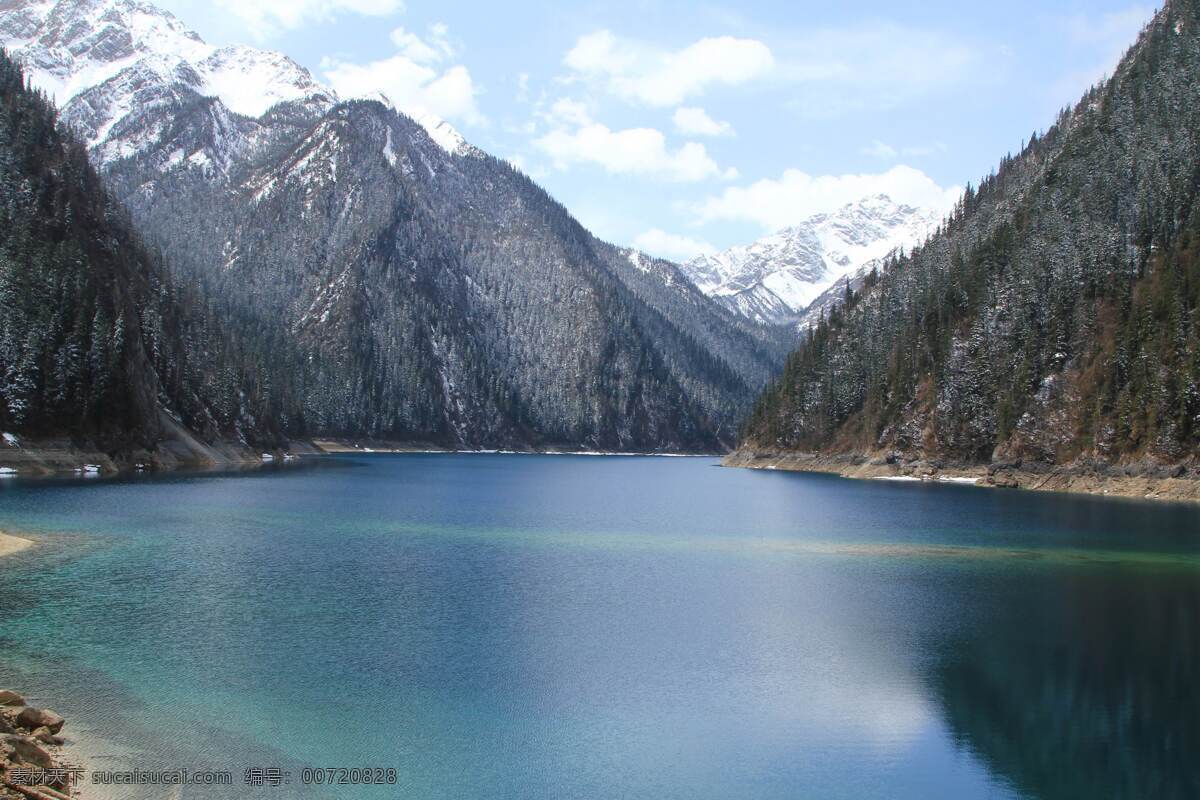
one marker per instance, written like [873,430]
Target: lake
[600,627]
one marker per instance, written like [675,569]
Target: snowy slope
[72,46]
[108,62]
[774,279]
[445,134]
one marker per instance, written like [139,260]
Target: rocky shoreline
[20,457]
[32,764]
[49,457]
[389,446]
[1153,481]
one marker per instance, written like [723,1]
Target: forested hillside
[392,290]
[95,344]
[380,277]
[1054,318]
[376,277]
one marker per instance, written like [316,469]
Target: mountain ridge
[392,286]
[776,278]
[92,56]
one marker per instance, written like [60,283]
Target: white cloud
[264,18]
[924,149]
[796,195]
[671,246]
[878,149]
[432,50]
[566,111]
[413,79]
[697,122]
[885,152]
[641,72]
[870,66]
[641,151]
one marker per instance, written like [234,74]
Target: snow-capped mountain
[104,60]
[381,276]
[109,64]
[775,279]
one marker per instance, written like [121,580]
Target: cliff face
[1053,320]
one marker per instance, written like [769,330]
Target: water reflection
[1083,686]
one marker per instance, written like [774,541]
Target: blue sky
[681,127]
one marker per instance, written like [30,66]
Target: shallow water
[524,626]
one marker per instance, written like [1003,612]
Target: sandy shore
[1142,482]
[12,544]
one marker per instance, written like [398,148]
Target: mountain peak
[774,279]
[101,55]
[445,135]
[96,58]
[68,46]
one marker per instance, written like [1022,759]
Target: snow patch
[251,82]
[926,479]
[639,260]
[444,134]
[389,154]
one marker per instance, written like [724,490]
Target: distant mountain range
[776,279]
[379,276]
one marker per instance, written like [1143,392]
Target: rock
[10,698]
[33,718]
[44,735]
[27,751]
[1005,481]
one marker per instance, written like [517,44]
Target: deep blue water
[586,627]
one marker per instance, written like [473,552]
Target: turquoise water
[584,627]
